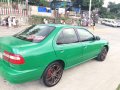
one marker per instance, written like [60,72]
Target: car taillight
[13,58]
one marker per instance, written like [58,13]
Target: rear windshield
[35,33]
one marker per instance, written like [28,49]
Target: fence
[14,7]
[16,12]
[11,1]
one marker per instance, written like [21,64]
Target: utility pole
[27,3]
[90,6]
[27,6]
[8,2]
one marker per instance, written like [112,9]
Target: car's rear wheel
[103,54]
[53,74]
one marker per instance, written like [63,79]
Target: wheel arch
[59,60]
[107,47]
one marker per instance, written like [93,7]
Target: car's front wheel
[53,74]
[102,55]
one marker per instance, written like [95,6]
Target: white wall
[34,11]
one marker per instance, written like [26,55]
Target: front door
[91,46]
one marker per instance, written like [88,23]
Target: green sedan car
[44,51]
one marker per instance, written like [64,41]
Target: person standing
[45,21]
[9,22]
[14,21]
[93,24]
[62,21]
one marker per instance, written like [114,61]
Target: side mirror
[97,38]
[59,42]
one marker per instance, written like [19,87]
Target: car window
[67,36]
[84,35]
[35,33]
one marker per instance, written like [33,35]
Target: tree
[54,4]
[85,3]
[103,12]
[44,3]
[114,8]
[112,11]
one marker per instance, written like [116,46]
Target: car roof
[63,26]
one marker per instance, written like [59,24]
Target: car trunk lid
[9,44]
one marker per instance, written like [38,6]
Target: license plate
[0,55]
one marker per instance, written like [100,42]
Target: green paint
[38,56]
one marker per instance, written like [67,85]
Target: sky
[106,2]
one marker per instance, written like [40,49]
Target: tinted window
[35,33]
[60,39]
[84,35]
[67,36]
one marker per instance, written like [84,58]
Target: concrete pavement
[92,75]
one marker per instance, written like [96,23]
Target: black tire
[102,55]
[52,74]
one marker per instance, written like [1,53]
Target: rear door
[68,47]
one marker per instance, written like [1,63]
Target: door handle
[85,47]
[61,51]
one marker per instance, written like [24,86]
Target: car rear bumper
[15,76]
